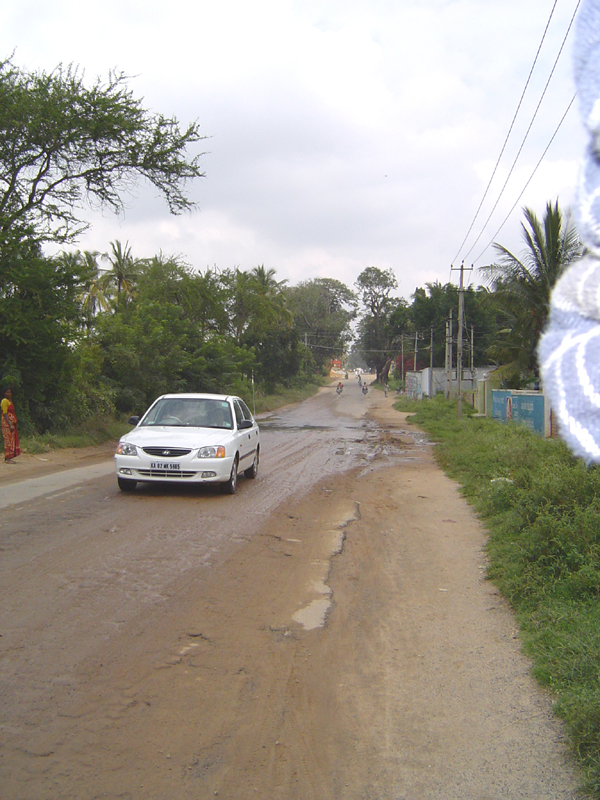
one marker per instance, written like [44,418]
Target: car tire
[126,485]
[231,485]
[252,471]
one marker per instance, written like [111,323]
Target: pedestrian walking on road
[9,428]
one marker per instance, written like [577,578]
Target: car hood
[165,436]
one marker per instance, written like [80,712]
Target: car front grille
[167,473]
[166,452]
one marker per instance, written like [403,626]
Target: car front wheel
[231,485]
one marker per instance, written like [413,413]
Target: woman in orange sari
[9,428]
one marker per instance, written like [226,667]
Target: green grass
[541,507]
[93,432]
[283,396]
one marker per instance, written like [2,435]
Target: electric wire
[527,134]
[529,180]
[508,134]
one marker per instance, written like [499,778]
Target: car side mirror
[245,424]
[133,420]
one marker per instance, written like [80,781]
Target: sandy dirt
[326,633]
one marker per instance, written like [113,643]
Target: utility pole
[446,392]
[431,349]
[449,356]
[415,359]
[431,389]
[402,340]
[459,342]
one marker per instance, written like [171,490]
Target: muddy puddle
[351,443]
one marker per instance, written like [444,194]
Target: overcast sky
[342,133]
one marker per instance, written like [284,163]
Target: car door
[246,435]
[242,435]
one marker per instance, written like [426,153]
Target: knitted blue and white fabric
[569,350]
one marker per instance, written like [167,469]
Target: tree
[522,286]
[375,287]
[94,298]
[323,310]
[265,278]
[155,343]
[256,303]
[40,320]
[63,143]
[431,308]
[123,272]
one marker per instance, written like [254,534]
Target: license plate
[164,465]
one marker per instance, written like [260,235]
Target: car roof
[195,396]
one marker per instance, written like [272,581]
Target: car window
[245,410]
[219,414]
[239,414]
[190,412]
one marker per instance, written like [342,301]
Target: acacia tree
[63,144]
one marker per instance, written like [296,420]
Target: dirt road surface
[325,633]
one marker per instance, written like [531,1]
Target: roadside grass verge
[93,432]
[541,507]
[283,395]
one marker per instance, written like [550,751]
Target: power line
[528,182]
[509,132]
[527,134]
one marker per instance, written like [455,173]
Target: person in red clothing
[9,428]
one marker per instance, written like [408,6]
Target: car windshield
[190,412]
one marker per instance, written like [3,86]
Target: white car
[190,438]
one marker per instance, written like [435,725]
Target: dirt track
[326,633]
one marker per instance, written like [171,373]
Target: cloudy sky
[341,133]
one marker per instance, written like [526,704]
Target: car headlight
[212,452]
[126,449]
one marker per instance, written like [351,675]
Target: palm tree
[271,301]
[265,278]
[257,301]
[522,286]
[123,272]
[93,297]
